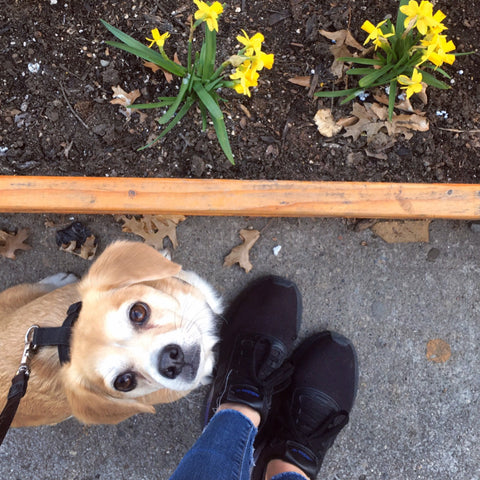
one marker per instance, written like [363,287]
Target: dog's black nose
[171,361]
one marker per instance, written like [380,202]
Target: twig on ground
[77,116]
[457,130]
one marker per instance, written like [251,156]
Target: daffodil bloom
[437,50]
[262,60]
[422,16]
[412,85]
[157,38]
[375,33]
[253,44]
[208,13]
[247,76]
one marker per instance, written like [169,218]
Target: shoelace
[321,438]
[274,373]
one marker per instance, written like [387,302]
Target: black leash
[37,337]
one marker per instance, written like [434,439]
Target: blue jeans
[224,451]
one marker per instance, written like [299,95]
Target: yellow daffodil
[375,33]
[262,60]
[253,51]
[421,15]
[437,50]
[157,38]
[208,13]
[253,44]
[412,85]
[247,76]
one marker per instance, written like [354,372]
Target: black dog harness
[35,338]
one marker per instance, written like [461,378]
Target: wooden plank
[272,198]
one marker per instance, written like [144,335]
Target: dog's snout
[171,361]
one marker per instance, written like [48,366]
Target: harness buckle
[28,349]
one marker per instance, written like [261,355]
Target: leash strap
[37,337]
[15,394]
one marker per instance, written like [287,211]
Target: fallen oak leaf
[155,68]
[153,228]
[343,37]
[152,66]
[86,250]
[338,67]
[10,242]
[400,123]
[77,239]
[241,253]
[404,105]
[121,97]
[368,122]
[373,117]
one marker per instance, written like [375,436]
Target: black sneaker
[256,340]
[308,416]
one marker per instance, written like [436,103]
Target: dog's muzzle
[175,361]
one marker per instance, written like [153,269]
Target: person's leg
[309,415]
[259,334]
[224,451]
[289,476]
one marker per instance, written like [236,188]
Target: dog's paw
[59,280]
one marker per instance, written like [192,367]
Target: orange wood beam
[269,198]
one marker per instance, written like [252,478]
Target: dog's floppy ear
[124,263]
[93,407]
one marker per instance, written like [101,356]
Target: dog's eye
[139,313]
[125,382]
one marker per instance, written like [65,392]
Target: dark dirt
[59,120]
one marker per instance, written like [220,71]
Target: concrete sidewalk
[413,420]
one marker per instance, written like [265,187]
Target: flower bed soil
[57,76]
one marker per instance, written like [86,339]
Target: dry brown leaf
[152,66]
[423,94]
[368,122]
[87,250]
[342,39]
[176,59]
[153,228]
[240,253]
[155,68]
[10,242]
[373,117]
[402,231]
[302,81]
[404,122]
[347,121]
[121,97]
[438,351]
[404,105]
[326,123]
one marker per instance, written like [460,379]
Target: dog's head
[144,335]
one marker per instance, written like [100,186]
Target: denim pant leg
[224,451]
[288,476]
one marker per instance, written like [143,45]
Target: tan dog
[144,336]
